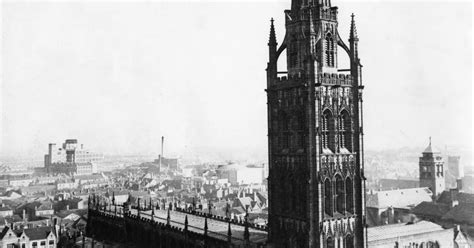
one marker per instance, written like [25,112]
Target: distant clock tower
[432,170]
[315,136]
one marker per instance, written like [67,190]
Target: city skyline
[105,74]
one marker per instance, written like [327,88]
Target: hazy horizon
[118,76]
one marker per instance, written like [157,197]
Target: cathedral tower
[315,135]
[432,170]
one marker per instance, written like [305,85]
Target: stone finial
[227,210]
[353,35]
[209,207]
[229,232]
[186,223]
[246,231]
[168,218]
[152,213]
[272,41]
[312,28]
[138,208]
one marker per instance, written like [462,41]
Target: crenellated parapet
[287,81]
[336,79]
[330,79]
[142,230]
[222,219]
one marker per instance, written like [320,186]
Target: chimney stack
[162,143]
[160,157]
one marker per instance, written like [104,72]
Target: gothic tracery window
[349,196]
[293,53]
[327,197]
[290,193]
[349,240]
[327,131]
[340,195]
[329,50]
[330,243]
[345,130]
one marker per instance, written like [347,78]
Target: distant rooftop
[431,149]
[400,230]
[399,198]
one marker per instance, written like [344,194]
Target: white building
[20,182]
[59,160]
[420,234]
[28,238]
[241,174]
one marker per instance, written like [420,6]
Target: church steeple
[313,128]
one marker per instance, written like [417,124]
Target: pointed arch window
[327,197]
[327,131]
[283,195]
[349,195]
[345,135]
[340,194]
[294,196]
[329,50]
[291,193]
[330,242]
[293,53]
[284,128]
[349,240]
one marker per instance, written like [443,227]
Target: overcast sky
[118,76]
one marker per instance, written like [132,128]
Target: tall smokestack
[160,157]
[162,143]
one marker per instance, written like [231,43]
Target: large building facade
[315,137]
[71,158]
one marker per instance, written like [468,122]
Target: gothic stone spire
[272,41]
[353,35]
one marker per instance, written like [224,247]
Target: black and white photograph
[236,124]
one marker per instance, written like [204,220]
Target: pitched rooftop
[400,230]
[400,198]
[431,149]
